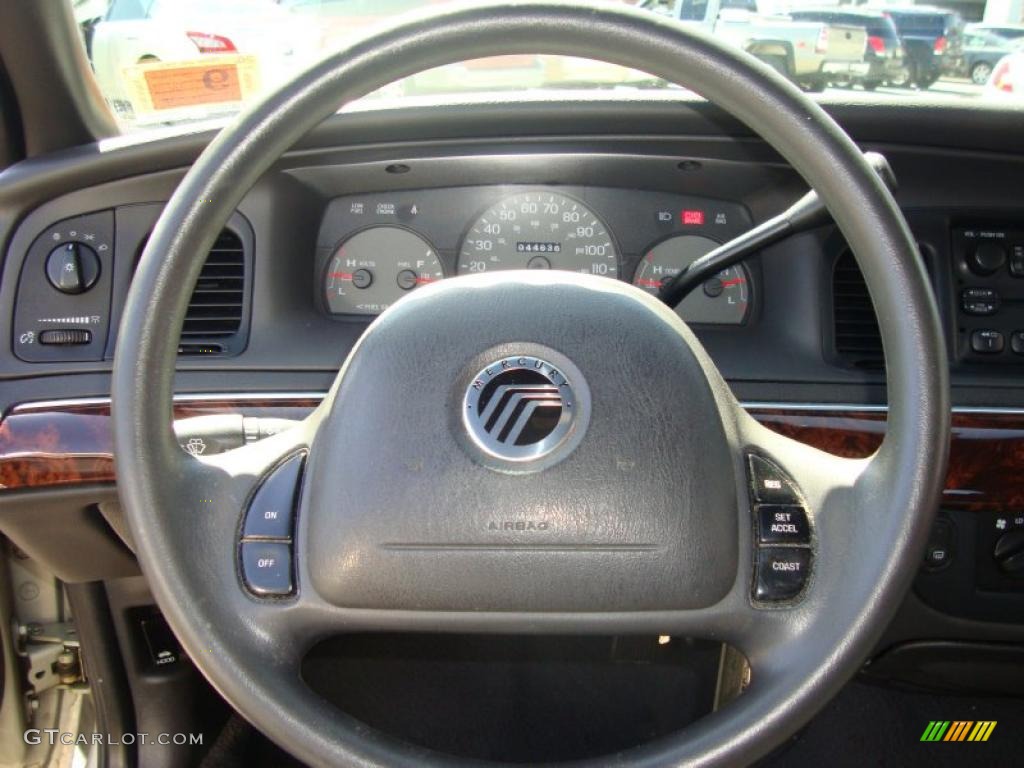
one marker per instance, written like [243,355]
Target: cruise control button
[272,509]
[779,524]
[770,484]
[781,572]
[267,567]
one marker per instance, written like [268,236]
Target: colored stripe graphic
[935,730]
[958,730]
[982,730]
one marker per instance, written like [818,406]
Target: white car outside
[135,34]
[1007,78]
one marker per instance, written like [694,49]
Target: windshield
[164,63]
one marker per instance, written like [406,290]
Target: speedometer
[539,230]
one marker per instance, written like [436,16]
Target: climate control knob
[1009,553]
[987,259]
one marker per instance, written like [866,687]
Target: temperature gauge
[722,300]
[376,267]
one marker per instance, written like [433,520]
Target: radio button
[1017,342]
[979,301]
[1017,261]
[987,259]
[987,342]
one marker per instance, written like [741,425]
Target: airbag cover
[403,510]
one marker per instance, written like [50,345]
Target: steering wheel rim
[183,513]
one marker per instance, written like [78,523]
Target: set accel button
[782,524]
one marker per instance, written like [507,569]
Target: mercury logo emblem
[520,408]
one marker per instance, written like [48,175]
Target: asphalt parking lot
[945,86]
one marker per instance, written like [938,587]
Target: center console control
[974,565]
[62,312]
[988,267]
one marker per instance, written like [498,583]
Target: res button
[770,484]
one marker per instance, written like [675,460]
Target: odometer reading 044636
[539,230]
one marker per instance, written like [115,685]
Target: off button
[267,567]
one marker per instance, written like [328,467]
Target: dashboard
[375,206]
[378,204]
[374,249]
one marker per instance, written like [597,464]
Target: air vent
[858,342]
[216,309]
[200,349]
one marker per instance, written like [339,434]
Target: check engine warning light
[692,218]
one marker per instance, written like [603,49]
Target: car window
[128,10]
[166,63]
[381,7]
[984,41]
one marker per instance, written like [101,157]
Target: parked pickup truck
[933,40]
[810,53]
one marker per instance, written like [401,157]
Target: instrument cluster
[373,249]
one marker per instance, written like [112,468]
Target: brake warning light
[692,218]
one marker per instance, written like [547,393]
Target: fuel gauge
[375,267]
[722,300]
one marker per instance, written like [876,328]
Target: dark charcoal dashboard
[375,204]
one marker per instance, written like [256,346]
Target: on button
[273,507]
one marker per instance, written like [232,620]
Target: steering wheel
[619,503]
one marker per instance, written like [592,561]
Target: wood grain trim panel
[986,459]
[58,445]
[68,444]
